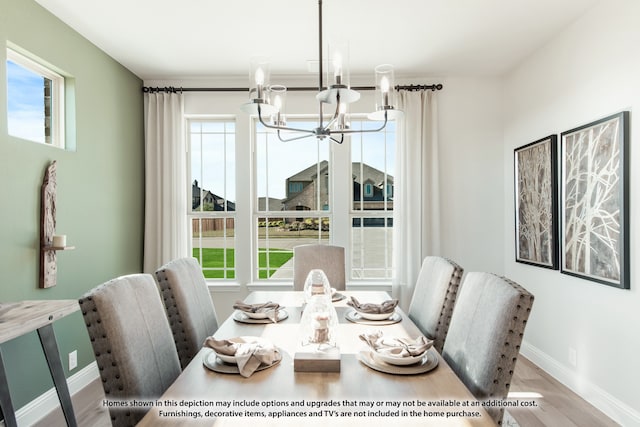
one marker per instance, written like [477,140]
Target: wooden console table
[20,318]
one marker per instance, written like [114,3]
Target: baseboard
[618,411]
[35,410]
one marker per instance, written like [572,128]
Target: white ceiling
[168,39]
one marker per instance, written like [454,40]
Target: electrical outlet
[73,360]
[573,357]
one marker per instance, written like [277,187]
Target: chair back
[486,331]
[328,258]
[190,310]
[132,342]
[434,297]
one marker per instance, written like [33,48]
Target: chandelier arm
[334,118]
[337,141]
[362,130]
[292,139]
[265,124]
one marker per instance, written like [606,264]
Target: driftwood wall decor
[48,265]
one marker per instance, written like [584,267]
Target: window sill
[223,286]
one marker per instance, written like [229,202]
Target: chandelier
[267,101]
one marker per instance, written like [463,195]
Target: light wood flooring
[557,406]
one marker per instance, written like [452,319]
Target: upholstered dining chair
[191,314]
[486,331]
[434,297]
[132,342]
[329,258]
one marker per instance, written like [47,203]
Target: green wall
[100,193]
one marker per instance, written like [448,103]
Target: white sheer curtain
[416,217]
[165,225]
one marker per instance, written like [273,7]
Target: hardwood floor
[557,405]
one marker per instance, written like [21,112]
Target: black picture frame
[594,193]
[536,202]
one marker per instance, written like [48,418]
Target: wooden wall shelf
[58,248]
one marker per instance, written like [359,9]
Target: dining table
[281,396]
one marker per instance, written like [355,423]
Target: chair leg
[6,407]
[52,354]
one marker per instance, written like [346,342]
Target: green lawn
[214,258]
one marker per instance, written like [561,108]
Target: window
[293,199]
[35,96]
[307,191]
[211,145]
[295,187]
[371,214]
[368,190]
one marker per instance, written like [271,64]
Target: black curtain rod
[171,89]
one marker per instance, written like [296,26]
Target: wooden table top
[367,396]
[19,318]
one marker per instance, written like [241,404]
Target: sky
[25,103]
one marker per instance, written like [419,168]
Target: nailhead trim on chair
[109,371]
[504,371]
[175,319]
[447,307]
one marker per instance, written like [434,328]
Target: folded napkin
[386,307]
[397,347]
[249,356]
[269,308]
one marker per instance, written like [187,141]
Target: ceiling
[165,39]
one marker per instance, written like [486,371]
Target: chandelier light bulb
[337,68]
[384,87]
[259,77]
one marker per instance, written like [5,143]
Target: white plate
[354,316]
[213,362]
[426,364]
[241,316]
[258,315]
[232,359]
[375,316]
[227,359]
[399,360]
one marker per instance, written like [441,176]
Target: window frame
[224,214]
[58,81]
[339,210]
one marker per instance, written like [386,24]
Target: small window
[35,98]
[295,187]
[368,190]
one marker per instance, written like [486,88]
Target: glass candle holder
[278,98]
[315,284]
[259,76]
[385,83]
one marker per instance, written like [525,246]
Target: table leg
[52,354]
[6,407]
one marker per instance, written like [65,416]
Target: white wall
[590,70]
[471,173]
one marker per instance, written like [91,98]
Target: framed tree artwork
[536,203]
[594,203]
